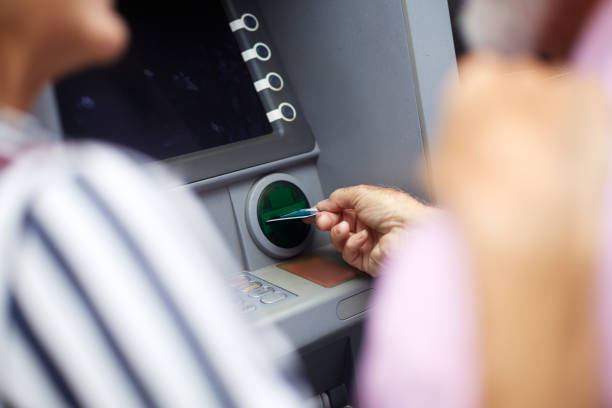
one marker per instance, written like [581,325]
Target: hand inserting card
[295,215]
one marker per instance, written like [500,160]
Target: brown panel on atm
[320,271]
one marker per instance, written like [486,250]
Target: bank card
[296,215]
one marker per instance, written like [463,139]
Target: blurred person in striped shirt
[111,285]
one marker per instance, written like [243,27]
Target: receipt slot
[270,197]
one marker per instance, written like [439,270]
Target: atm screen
[182,87]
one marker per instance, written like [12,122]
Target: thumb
[345,198]
[342,199]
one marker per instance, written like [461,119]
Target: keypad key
[248,286]
[239,280]
[249,308]
[259,292]
[273,298]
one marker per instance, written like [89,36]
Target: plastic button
[249,308]
[246,287]
[262,51]
[240,279]
[273,298]
[288,112]
[276,82]
[250,22]
[259,292]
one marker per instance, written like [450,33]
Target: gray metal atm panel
[433,54]
[434,61]
[349,61]
[218,203]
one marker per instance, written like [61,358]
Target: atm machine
[264,107]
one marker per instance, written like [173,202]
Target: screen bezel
[287,138]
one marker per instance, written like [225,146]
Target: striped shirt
[112,291]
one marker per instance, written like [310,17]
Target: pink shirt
[421,341]
[420,348]
[594,55]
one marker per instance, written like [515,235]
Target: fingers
[331,214]
[339,235]
[352,252]
[325,221]
[353,246]
[328,205]
[347,197]
[350,216]
[341,199]
[309,220]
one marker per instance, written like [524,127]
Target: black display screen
[182,87]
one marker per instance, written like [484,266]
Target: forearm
[537,331]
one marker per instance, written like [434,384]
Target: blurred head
[44,39]
[547,27]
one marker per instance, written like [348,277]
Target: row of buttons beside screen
[273,81]
[255,292]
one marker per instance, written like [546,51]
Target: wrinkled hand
[364,222]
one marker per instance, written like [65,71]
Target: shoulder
[68,182]
[47,167]
[100,186]
[46,161]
